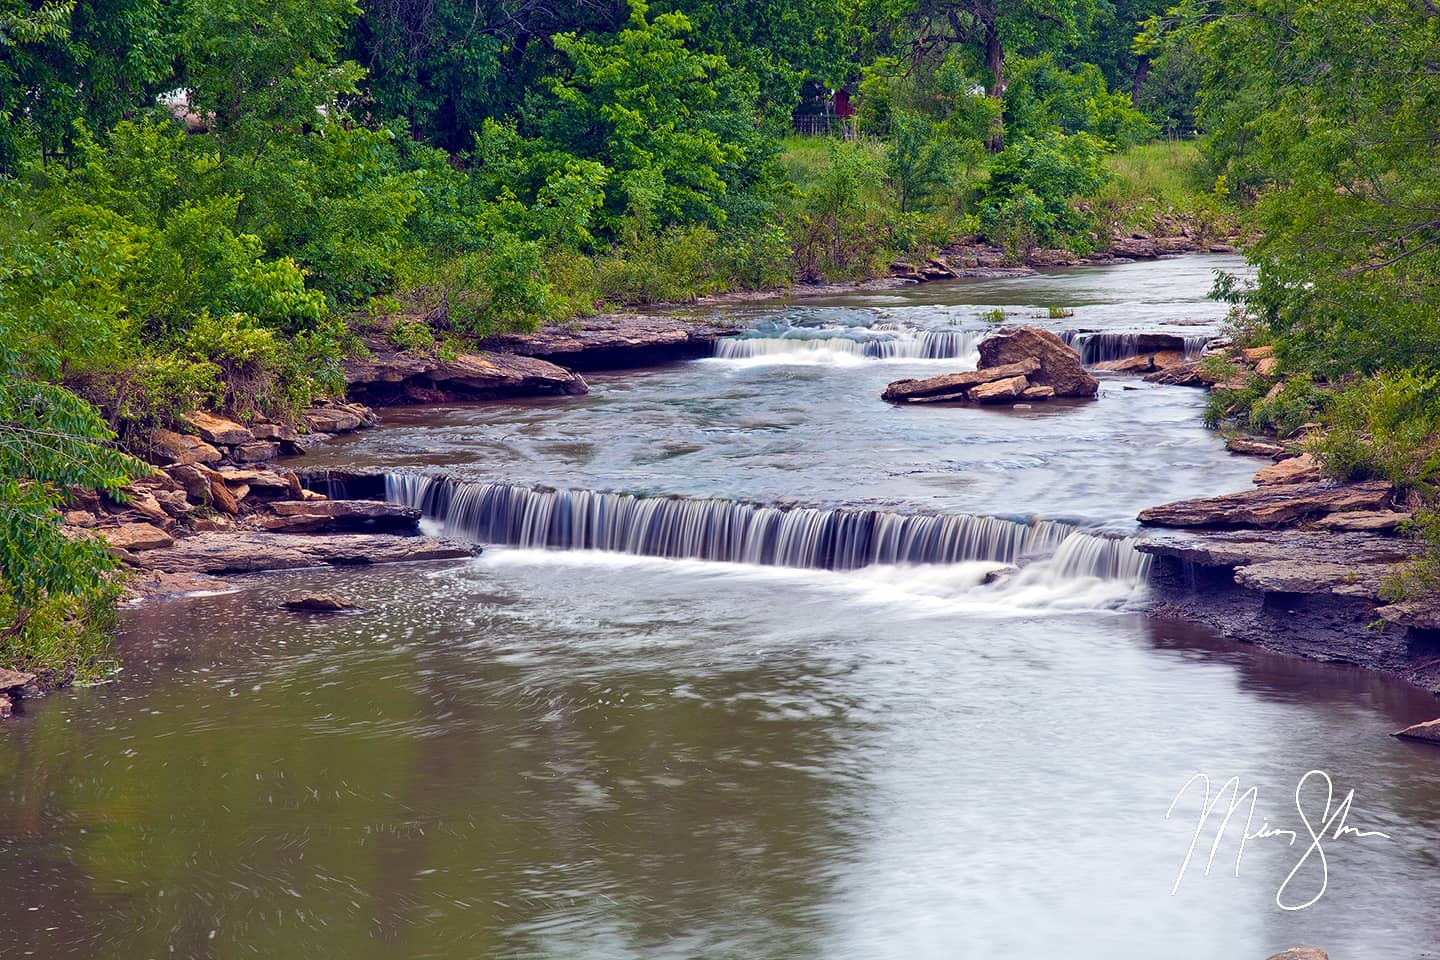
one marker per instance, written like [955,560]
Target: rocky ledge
[189,520]
[544,363]
[1297,567]
[1023,364]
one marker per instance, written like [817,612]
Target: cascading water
[1095,347]
[923,345]
[736,532]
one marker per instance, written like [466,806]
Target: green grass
[1154,182]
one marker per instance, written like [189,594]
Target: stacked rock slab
[1020,364]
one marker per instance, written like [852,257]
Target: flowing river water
[753,666]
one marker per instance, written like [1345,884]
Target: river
[740,730]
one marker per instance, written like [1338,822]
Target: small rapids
[800,346]
[1095,347]
[1054,558]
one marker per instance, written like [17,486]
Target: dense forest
[202,205]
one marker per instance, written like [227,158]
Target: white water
[979,562]
[808,346]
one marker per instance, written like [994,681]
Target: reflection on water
[546,754]
[560,755]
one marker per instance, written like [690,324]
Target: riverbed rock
[1144,363]
[1423,614]
[1060,365]
[1037,393]
[135,536]
[14,681]
[319,603]
[157,584]
[1255,446]
[218,430]
[998,391]
[395,377]
[195,484]
[617,340]
[256,452]
[954,386]
[1192,373]
[1300,953]
[221,496]
[258,479]
[1428,731]
[168,447]
[1372,521]
[274,431]
[335,515]
[1302,469]
[1271,506]
[1303,575]
[248,551]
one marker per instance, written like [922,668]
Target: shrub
[1034,187]
[1386,426]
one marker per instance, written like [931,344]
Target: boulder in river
[1060,366]
[319,603]
[1300,953]
[998,391]
[954,386]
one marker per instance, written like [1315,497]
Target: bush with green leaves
[56,591]
[1386,426]
[1034,190]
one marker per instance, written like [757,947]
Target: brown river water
[767,744]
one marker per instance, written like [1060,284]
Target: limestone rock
[1300,575]
[218,429]
[167,447]
[136,536]
[274,431]
[221,496]
[1144,363]
[998,390]
[14,680]
[297,515]
[1267,367]
[256,479]
[1300,953]
[320,420]
[1270,506]
[256,452]
[1373,521]
[1255,354]
[319,603]
[195,483]
[1037,393]
[1255,446]
[1302,469]
[1188,374]
[244,551]
[1060,365]
[1429,730]
[1421,614]
[953,386]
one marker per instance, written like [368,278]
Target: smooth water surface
[589,754]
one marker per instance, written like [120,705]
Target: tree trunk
[1137,86]
[995,63]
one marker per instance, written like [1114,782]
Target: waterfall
[738,532]
[1096,347]
[924,345]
